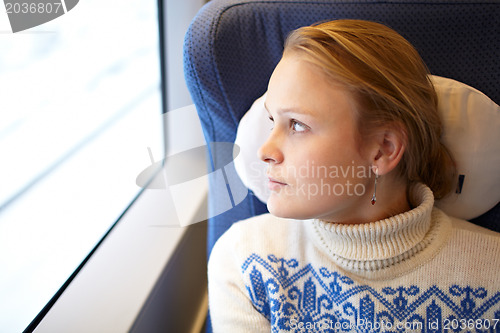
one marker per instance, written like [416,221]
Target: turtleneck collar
[377,245]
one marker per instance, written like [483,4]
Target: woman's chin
[277,208]
[286,211]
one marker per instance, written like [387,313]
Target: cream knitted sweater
[420,271]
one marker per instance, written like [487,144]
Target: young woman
[353,241]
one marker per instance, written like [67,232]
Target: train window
[80,105]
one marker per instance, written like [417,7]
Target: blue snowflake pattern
[310,299]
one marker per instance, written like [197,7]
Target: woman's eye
[297,126]
[272,120]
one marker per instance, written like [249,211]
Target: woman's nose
[270,151]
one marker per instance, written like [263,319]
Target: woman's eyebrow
[265,107]
[296,111]
[291,110]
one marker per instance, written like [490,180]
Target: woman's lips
[275,185]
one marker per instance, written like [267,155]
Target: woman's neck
[377,245]
[391,199]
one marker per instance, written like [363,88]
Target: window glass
[80,104]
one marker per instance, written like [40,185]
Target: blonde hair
[391,85]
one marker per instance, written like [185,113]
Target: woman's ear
[389,148]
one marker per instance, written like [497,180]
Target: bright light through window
[79,106]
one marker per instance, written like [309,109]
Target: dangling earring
[374,197]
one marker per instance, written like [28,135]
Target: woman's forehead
[297,86]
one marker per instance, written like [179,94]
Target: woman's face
[315,167]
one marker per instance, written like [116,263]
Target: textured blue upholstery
[232,47]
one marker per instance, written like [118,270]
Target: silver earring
[374,196]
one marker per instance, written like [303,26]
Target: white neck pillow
[471,132]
